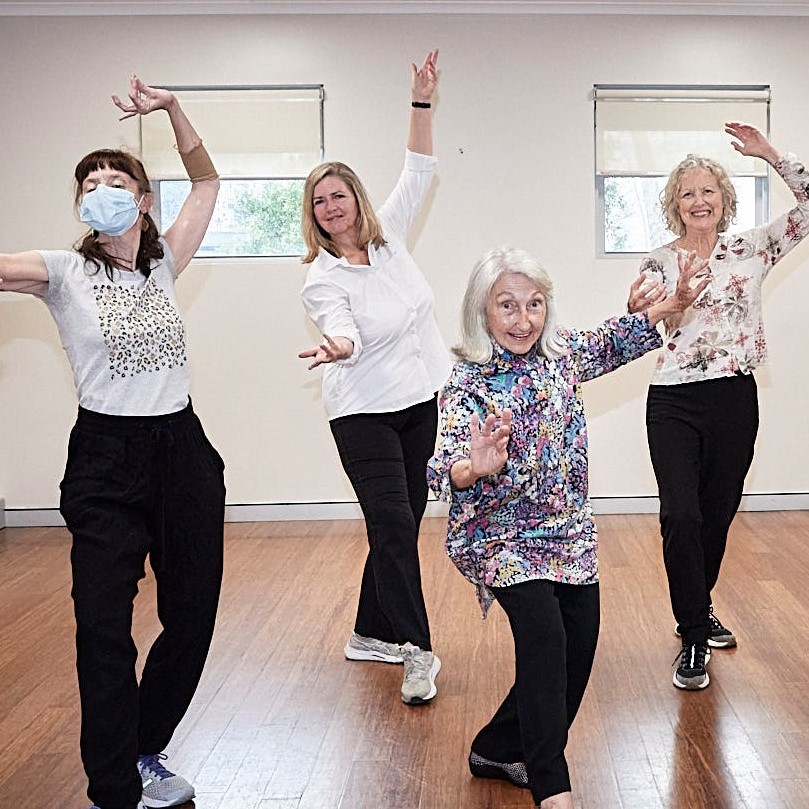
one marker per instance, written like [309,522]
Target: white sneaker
[420,670]
[160,786]
[362,648]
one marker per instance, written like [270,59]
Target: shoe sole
[691,685]
[493,771]
[373,657]
[730,643]
[722,644]
[153,804]
[434,669]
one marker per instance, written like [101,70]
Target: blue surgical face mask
[109,210]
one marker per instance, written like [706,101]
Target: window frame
[157,180]
[710,91]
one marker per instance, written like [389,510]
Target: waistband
[130,425]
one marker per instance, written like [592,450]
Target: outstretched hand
[489,447]
[144,99]
[330,350]
[750,142]
[423,80]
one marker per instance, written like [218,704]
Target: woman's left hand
[751,142]
[144,99]
[423,80]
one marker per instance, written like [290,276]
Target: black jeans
[555,628]
[385,457]
[138,486]
[701,441]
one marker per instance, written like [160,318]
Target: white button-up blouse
[386,309]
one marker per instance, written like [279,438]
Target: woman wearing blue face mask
[141,478]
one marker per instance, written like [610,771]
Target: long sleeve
[614,343]
[403,204]
[329,307]
[775,239]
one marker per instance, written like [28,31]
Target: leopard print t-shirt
[125,338]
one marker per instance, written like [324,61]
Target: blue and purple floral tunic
[532,520]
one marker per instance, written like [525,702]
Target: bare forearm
[420,138]
[184,133]
[461,474]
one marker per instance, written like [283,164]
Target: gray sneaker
[420,670]
[161,787]
[362,648]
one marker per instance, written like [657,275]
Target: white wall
[514,138]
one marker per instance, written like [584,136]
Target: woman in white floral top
[702,407]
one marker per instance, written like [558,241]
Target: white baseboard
[273,512]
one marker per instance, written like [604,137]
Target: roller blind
[250,132]
[646,130]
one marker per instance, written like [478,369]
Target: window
[642,132]
[263,142]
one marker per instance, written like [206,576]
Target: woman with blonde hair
[702,405]
[384,362]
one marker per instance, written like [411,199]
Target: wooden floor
[282,721]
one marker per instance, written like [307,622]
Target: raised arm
[423,82]
[751,143]
[23,272]
[186,234]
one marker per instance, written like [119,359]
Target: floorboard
[282,721]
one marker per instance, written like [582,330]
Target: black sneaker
[486,768]
[691,672]
[720,636]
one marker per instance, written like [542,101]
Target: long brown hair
[93,251]
[370,231]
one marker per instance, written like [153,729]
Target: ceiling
[139,7]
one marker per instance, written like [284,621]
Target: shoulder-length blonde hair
[669,201]
[370,231]
[476,342]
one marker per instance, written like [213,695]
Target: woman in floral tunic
[702,407]
[512,460]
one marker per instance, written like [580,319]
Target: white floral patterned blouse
[723,333]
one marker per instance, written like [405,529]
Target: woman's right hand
[691,267]
[330,350]
[644,293]
[488,451]
[489,448]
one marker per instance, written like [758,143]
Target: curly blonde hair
[669,201]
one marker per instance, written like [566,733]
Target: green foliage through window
[252,217]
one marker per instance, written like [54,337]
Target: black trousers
[555,628]
[385,457]
[701,441]
[138,486]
